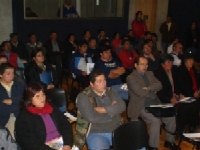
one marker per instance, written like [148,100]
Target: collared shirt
[102,94]
[7,87]
[15,44]
[55,47]
[169,25]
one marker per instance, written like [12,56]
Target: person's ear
[91,84]
[135,65]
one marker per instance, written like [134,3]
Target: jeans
[99,141]
[165,46]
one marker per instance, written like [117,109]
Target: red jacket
[116,43]
[127,58]
[139,28]
[12,59]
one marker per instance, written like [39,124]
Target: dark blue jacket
[17,91]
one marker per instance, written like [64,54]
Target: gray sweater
[101,123]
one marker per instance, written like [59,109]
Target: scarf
[47,109]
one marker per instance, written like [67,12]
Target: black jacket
[185,81]
[49,48]
[32,73]
[31,132]
[21,50]
[166,93]
[190,39]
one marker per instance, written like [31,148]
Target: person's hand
[196,94]
[66,147]
[114,102]
[174,101]
[100,110]
[50,86]
[181,96]
[152,57]
[84,73]
[7,101]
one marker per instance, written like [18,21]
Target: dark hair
[115,34]
[129,31]
[3,56]
[105,48]
[95,73]
[166,57]
[34,53]
[137,59]
[31,34]
[125,40]
[176,44]
[69,35]
[86,32]
[82,42]
[53,32]
[29,93]
[147,33]
[13,34]
[154,35]
[137,13]
[92,38]
[187,56]
[100,30]
[4,43]
[5,66]
[169,15]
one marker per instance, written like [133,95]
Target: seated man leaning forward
[142,87]
[105,116]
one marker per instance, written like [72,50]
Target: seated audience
[112,68]
[152,61]
[18,47]
[13,58]
[68,10]
[33,44]
[142,41]
[78,63]
[127,56]
[155,50]
[71,45]
[131,37]
[87,35]
[116,41]
[101,35]
[177,53]
[170,47]
[93,50]
[38,66]
[167,76]
[188,80]
[143,86]
[104,116]
[40,125]
[10,97]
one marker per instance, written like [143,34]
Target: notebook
[46,77]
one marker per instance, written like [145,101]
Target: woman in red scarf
[41,126]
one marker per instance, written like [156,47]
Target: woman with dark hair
[116,41]
[40,126]
[87,35]
[188,79]
[192,37]
[36,69]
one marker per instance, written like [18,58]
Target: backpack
[82,125]
[6,140]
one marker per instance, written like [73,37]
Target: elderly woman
[188,80]
[40,126]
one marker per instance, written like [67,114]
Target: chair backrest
[187,115]
[58,98]
[131,136]
[20,73]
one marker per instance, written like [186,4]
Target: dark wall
[77,26]
[183,13]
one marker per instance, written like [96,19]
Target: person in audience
[30,13]
[143,85]
[71,45]
[18,47]
[188,80]
[177,53]
[38,66]
[93,50]
[170,47]
[13,58]
[54,52]
[152,61]
[10,97]
[192,38]
[78,63]
[127,56]
[139,26]
[3,59]
[33,44]
[40,124]
[116,41]
[68,10]
[111,67]
[155,50]
[168,31]
[105,116]
[87,35]
[101,35]
[131,37]
[170,92]
[142,41]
